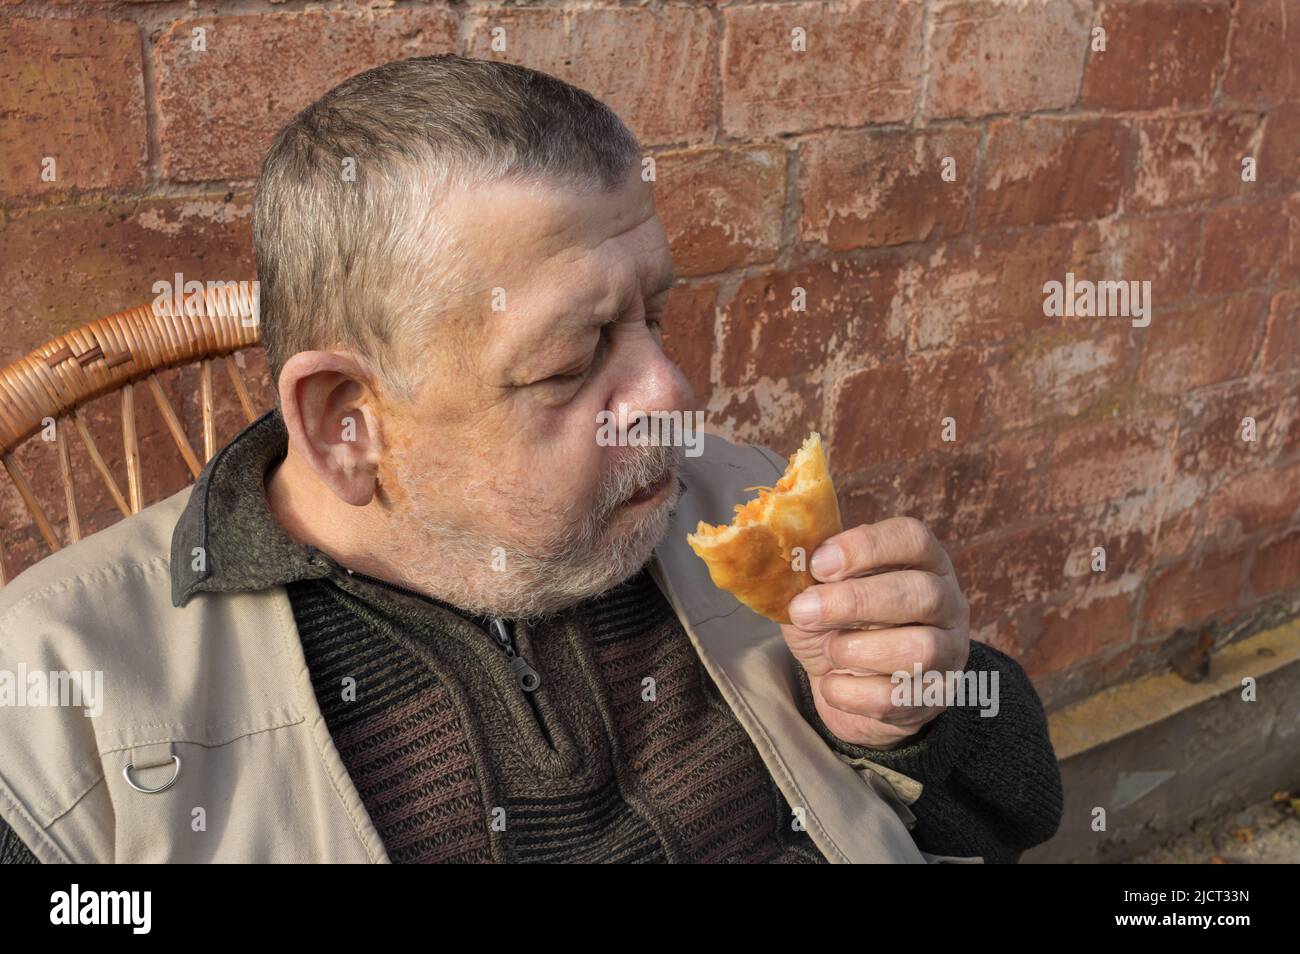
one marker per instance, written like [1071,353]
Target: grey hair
[365,263]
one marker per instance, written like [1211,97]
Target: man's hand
[888,600]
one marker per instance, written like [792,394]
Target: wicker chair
[114,354]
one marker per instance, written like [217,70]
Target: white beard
[573,565]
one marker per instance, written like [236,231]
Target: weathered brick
[1282,343]
[1109,460]
[1192,591]
[721,206]
[964,492]
[861,65]
[1051,170]
[73,91]
[1249,502]
[1160,250]
[862,189]
[1015,568]
[1191,160]
[654,68]
[1244,247]
[688,334]
[989,289]
[66,266]
[897,410]
[220,108]
[774,413]
[1203,344]
[1276,567]
[1157,54]
[1279,157]
[1005,58]
[848,321]
[1072,372]
[1086,624]
[1211,430]
[1262,67]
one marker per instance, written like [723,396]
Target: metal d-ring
[126,773]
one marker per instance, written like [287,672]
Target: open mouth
[651,491]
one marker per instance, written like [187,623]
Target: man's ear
[330,413]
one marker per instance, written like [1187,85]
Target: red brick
[896,411]
[655,68]
[71,90]
[861,65]
[1244,247]
[1262,67]
[848,321]
[1088,623]
[777,414]
[1192,592]
[219,109]
[1203,344]
[1191,160]
[1051,170]
[1109,460]
[1279,158]
[1249,502]
[1015,568]
[989,289]
[1276,567]
[1210,429]
[1160,250]
[688,335]
[963,493]
[66,266]
[861,189]
[1157,54]
[1071,372]
[864,498]
[1282,344]
[1005,58]
[721,206]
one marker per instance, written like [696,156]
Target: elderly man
[417,612]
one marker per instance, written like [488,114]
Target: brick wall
[818,170]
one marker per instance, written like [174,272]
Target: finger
[896,542]
[887,651]
[872,697]
[897,598]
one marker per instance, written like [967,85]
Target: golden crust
[753,558]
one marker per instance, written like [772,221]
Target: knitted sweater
[624,752]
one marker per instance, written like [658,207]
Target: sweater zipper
[500,630]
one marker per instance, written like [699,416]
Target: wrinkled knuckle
[859,608]
[916,535]
[925,649]
[926,597]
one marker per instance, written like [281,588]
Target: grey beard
[570,566]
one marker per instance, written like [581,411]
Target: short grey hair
[362,261]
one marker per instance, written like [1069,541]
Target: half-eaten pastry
[762,557]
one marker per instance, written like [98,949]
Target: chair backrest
[41,392]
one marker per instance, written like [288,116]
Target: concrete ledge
[1161,753]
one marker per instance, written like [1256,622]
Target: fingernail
[805,608]
[827,560]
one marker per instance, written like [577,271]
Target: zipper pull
[526,677]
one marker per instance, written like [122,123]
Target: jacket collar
[227,539]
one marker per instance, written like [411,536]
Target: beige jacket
[217,696]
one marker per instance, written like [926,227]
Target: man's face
[510,505]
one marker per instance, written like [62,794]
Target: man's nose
[652,382]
